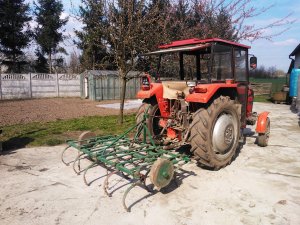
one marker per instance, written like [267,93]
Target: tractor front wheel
[215,133]
[263,139]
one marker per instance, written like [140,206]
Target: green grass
[277,83]
[57,132]
[262,98]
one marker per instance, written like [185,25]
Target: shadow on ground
[18,142]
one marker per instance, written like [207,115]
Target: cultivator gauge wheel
[86,137]
[161,173]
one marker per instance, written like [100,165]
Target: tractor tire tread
[201,126]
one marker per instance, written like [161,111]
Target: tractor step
[136,158]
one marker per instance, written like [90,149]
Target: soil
[44,110]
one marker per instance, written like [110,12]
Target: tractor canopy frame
[216,52]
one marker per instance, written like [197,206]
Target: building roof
[296,50]
[109,73]
[194,41]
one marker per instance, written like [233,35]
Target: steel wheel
[225,134]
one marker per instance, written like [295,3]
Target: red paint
[163,106]
[211,90]
[155,89]
[261,126]
[199,41]
[162,122]
[250,103]
[171,133]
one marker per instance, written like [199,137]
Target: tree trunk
[50,63]
[122,97]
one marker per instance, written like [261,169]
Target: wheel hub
[224,134]
[228,134]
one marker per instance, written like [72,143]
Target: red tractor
[208,105]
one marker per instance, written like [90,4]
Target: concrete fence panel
[15,86]
[69,85]
[43,85]
[39,85]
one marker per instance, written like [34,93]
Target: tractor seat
[171,89]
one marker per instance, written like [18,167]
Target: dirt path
[41,110]
[262,186]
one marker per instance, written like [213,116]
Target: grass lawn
[277,83]
[57,132]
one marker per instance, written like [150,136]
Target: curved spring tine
[126,193]
[86,169]
[77,159]
[105,184]
[144,182]
[62,156]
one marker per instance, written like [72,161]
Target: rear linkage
[135,159]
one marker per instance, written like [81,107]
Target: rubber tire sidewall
[202,133]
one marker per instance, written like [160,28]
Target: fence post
[30,86]
[57,84]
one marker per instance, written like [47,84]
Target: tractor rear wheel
[153,120]
[215,133]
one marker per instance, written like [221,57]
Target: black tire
[153,120]
[263,139]
[221,119]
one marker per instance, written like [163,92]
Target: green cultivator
[137,158]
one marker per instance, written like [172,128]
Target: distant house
[295,63]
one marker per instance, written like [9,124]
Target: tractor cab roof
[195,41]
[193,44]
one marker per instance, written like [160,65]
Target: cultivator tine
[136,159]
[126,193]
[78,164]
[105,183]
[85,171]
[62,156]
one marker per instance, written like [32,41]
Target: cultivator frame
[135,158]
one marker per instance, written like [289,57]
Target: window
[169,66]
[222,68]
[240,65]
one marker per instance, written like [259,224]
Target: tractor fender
[155,89]
[207,92]
[261,125]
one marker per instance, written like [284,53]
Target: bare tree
[129,24]
[74,64]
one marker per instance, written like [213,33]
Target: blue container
[294,82]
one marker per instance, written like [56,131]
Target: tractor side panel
[250,102]
[242,89]
[207,92]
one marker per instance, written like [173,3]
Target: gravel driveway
[261,187]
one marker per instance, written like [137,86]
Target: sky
[269,53]
[276,52]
